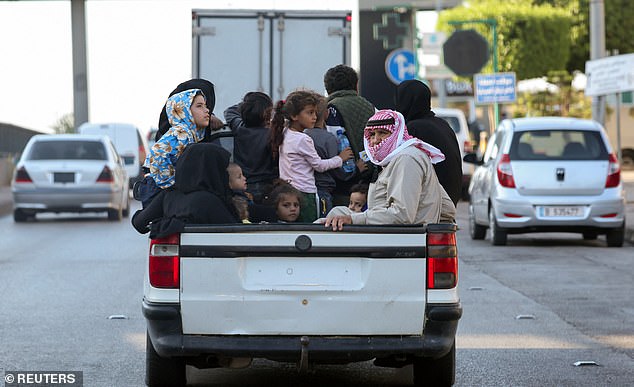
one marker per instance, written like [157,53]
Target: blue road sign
[400,65]
[495,88]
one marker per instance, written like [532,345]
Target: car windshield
[558,145]
[67,150]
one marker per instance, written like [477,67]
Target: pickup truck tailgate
[290,283]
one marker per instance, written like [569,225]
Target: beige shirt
[407,191]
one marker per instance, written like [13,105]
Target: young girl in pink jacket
[295,150]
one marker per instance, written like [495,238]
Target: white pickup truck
[219,296]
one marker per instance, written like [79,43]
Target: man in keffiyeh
[407,190]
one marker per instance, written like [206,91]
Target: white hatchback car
[70,173]
[547,174]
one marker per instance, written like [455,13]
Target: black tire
[476,231]
[589,236]
[160,371]
[126,210]
[19,216]
[616,236]
[436,372]
[115,215]
[498,235]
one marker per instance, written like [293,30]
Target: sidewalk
[6,204]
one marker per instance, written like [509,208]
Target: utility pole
[597,51]
[80,68]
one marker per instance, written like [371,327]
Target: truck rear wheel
[436,372]
[161,371]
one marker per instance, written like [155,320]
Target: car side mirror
[472,158]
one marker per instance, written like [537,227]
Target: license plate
[127,160]
[561,211]
[64,177]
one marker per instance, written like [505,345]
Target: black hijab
[413,100]
[203,167]
[197,83]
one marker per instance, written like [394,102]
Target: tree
[532,40]
[619,22]
[65,124]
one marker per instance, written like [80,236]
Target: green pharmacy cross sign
[392,31]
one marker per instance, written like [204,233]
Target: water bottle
[348,165]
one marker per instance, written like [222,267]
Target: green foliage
[568,102]
[531,40]
[619,24]
[65,124]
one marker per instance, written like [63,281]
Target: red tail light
[442,260]
[22,176]
[105,176]
[505,173]
[614,172]
[468,147]
[164,262]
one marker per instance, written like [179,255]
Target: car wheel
[616,236]
[19,216]
[498,235]
[589,236]
[436,372]
[115,214]
[475,230]
[126,209]
[161,371]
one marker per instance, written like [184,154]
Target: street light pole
[597,51]
[80,67]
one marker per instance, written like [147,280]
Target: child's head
[200,111]
[358,197]
[299,109]
[255,109]
[340,77]
[322,111]
[287,201]
[241,205]
[237,181]
[188,108]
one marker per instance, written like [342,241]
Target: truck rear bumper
[165,330]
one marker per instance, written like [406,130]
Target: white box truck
[272,51]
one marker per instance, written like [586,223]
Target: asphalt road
[531,310]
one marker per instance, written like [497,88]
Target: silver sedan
[70,173]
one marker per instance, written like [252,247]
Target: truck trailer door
[271,51]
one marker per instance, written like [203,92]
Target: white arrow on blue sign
[495,88]
[400,65]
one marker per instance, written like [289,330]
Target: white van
[458,122]
[130,144]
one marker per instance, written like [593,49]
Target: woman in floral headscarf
[407,190]
[188,115]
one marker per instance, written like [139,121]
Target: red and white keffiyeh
[399,139]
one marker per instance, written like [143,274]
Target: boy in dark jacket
[249,121]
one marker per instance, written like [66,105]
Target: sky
[138,51]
